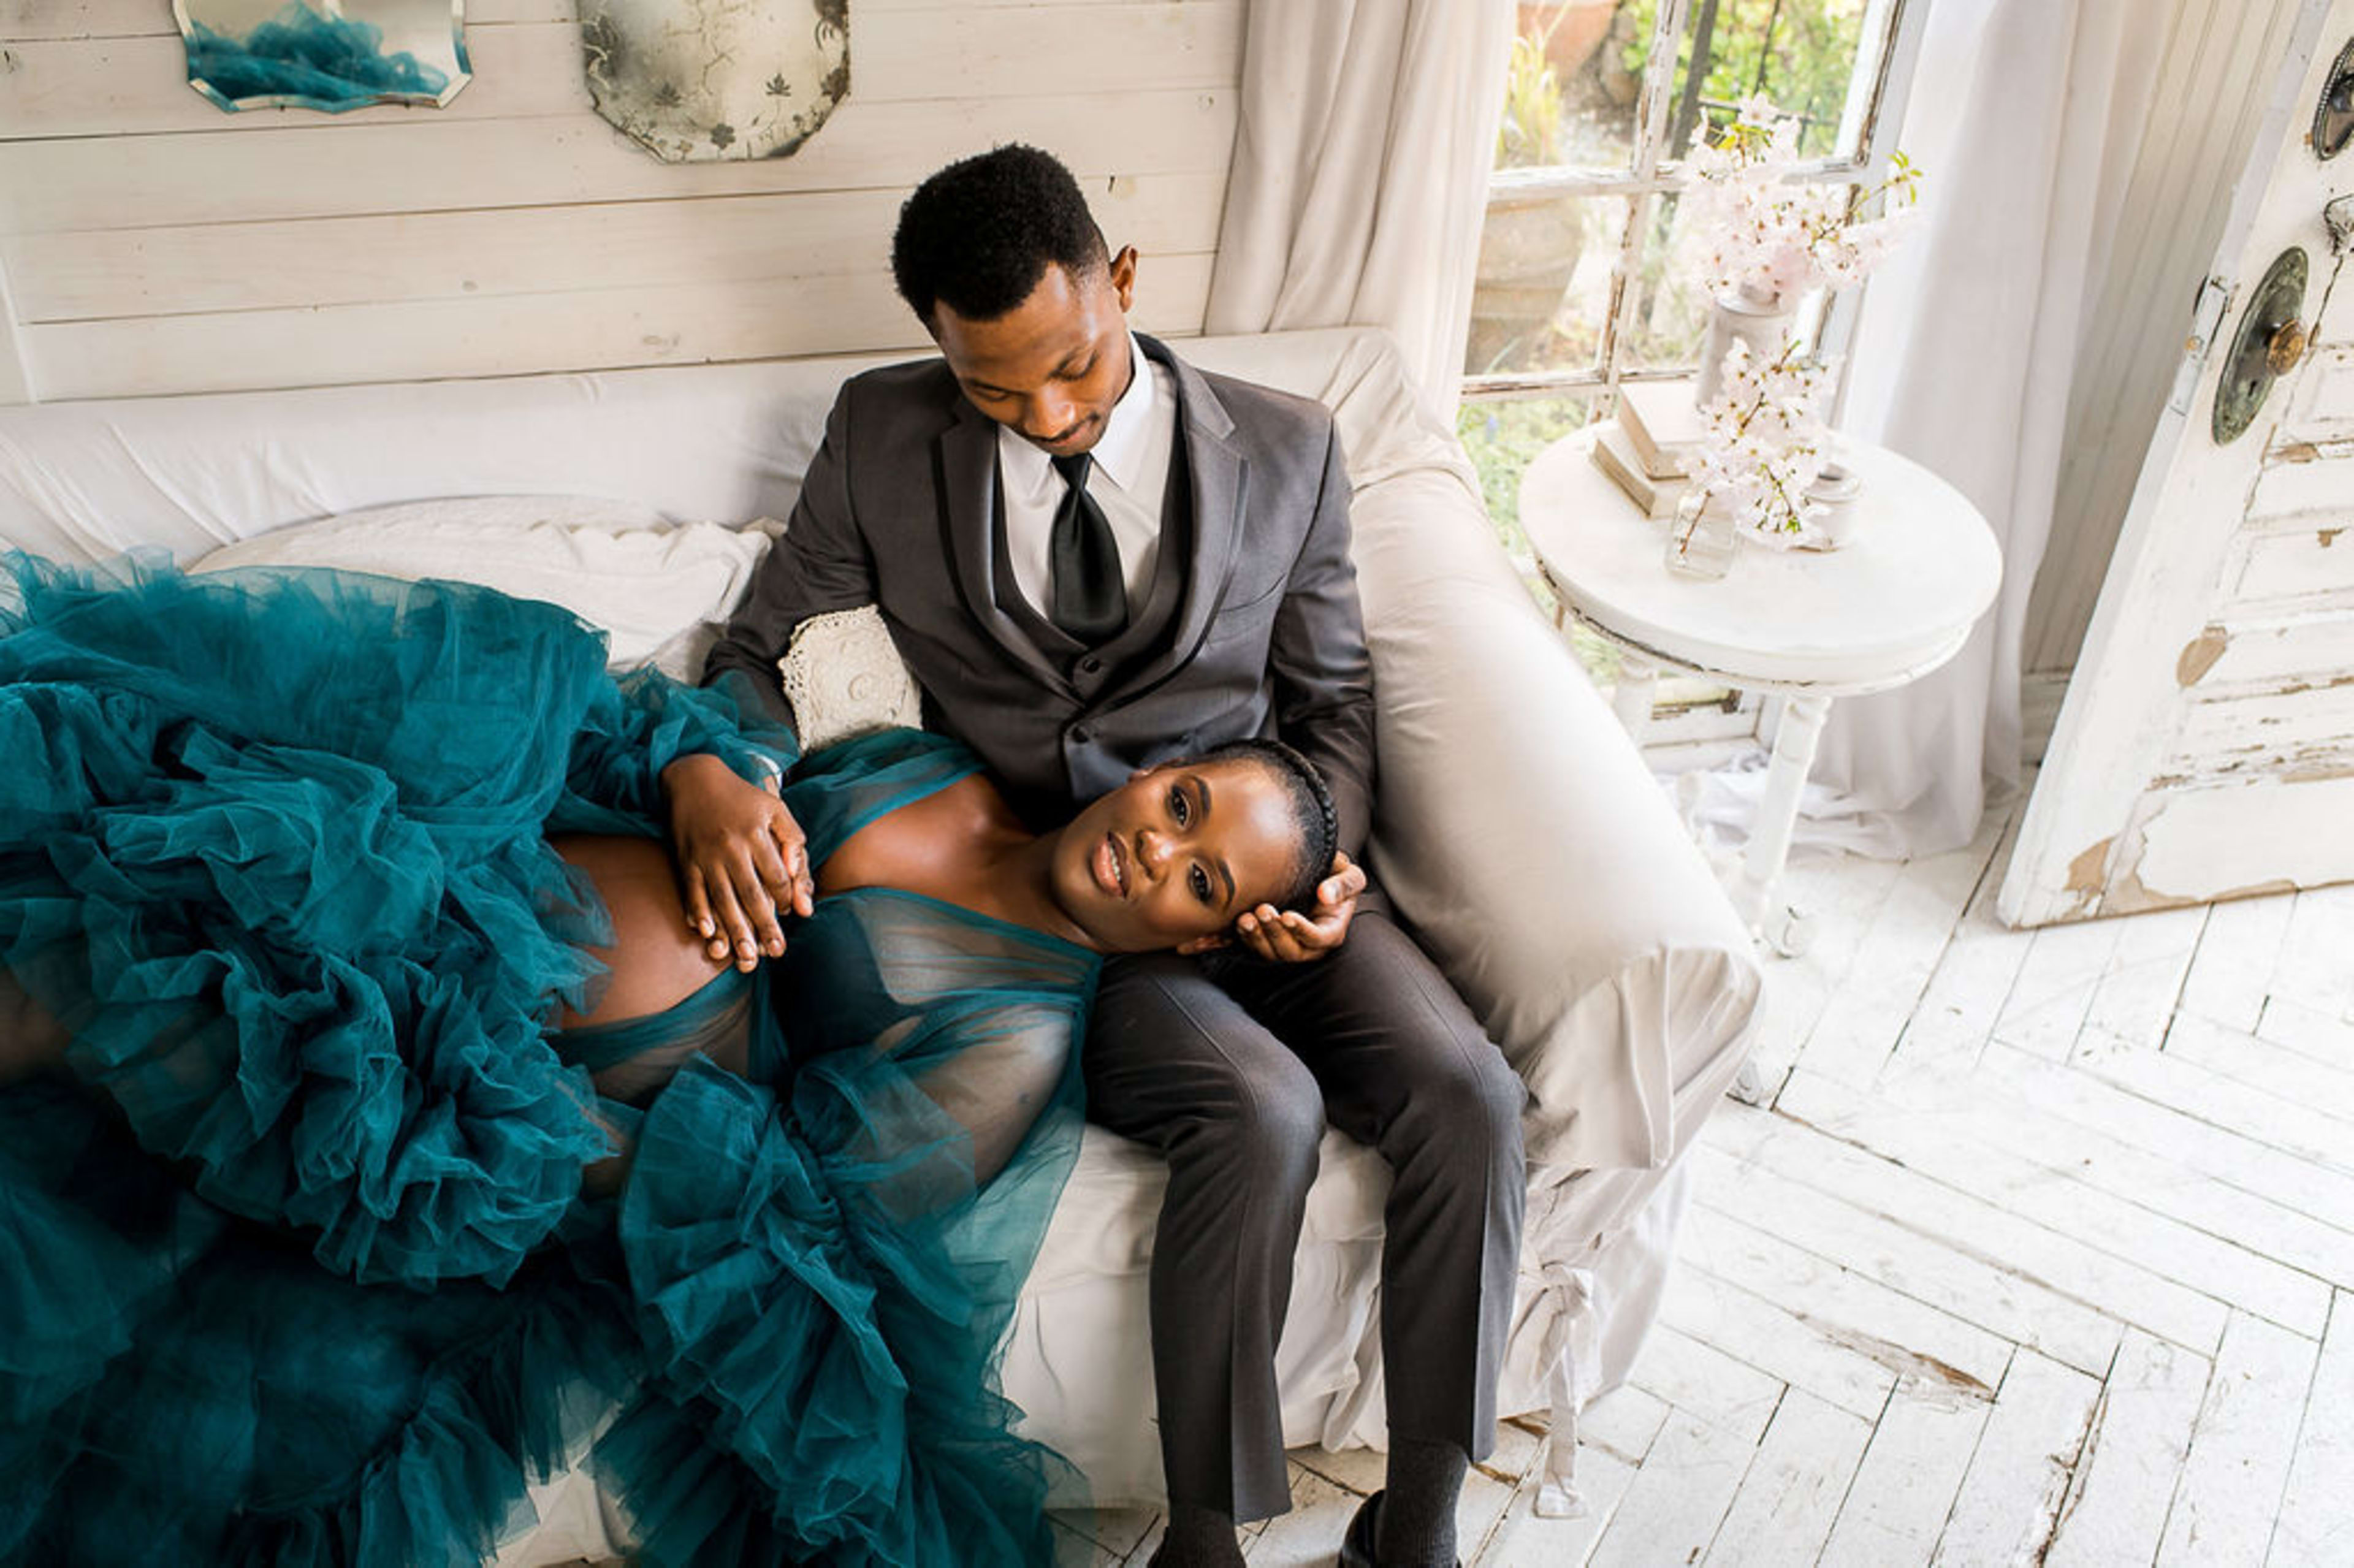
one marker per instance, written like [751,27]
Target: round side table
[1808,626]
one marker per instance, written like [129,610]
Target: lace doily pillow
[844,677]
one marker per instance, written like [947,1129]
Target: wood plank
[1989,1295]
[1840,895]
[2117,1509]
[2163,1078]
[1626,1421]
[2232,972]
[1521,1540]
[2240,1454]
[2286,1075]
[1937,1146]
[1671,1511]
[144,19]
[26,19]
[1304,1535]
[2056,980]
[1790,1496]
[2041,1259]
[2135,999]
[2296,1027]
[1700,1380]
[431,165]
[1964,998]
[137,86]
[1755,1331]
[586,330]
[1909,1337]
[2314,968]
[1893,966]
[1906,1484]
[2009,1498]
[2184,1136]
[2317,1517]
[711,242]
[1985,1108]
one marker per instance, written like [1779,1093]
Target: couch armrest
[1521,833]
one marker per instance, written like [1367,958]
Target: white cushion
[659,591]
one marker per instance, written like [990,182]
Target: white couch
[1517,827]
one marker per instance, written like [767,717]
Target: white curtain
[2027,116]
[1366,131]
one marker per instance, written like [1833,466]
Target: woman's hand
[1289,936]
[742,859]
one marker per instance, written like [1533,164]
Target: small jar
[1835,491]
[1701,535]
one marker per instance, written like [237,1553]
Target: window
[1580,284]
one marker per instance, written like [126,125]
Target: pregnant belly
[656,961]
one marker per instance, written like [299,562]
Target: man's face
[1053,366]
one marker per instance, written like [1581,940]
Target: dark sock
[1414,1527]
[1197,1538]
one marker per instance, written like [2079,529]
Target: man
[1093,556]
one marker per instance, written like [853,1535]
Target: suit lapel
[968,457]
[1220,480]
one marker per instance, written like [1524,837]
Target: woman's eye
[1201,881]
[1179,807]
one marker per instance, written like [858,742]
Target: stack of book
[1643,449]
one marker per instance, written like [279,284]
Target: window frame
[1893,28]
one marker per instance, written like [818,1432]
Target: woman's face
[1171,858]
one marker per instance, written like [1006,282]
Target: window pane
[1503,436]
[1542,293]
[1576,76]
[1799,53]
[1667,307]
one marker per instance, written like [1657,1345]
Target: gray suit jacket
[1254,628]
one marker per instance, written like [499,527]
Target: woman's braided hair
[1313,814]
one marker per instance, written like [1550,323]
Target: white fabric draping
[1367,128]
[2026,116]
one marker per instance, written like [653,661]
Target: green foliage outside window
[1801,53]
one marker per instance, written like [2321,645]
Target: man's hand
[742,859]
[1288,937]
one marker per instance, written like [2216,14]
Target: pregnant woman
[372,1124]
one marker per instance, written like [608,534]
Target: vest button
[1080,734]
[1090,664]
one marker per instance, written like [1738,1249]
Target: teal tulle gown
[294,1262]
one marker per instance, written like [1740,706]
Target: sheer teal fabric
[293,1266]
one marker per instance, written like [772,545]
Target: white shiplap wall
[149,243]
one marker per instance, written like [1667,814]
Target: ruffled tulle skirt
[294,1263]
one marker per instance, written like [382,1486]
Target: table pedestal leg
[1777,818]
[1631,700]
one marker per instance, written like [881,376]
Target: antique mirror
[692,82]
[324,54]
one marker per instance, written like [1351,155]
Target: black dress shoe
[1357,1546]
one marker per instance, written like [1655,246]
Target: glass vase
[1701,539]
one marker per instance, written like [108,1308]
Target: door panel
[2206,746]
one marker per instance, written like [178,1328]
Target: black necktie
[1090,601]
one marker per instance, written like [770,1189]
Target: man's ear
[1123,276]
[1209,944]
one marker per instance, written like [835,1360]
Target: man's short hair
[978,235]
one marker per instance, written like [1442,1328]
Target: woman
[345,896]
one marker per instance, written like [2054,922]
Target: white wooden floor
[2041,1253]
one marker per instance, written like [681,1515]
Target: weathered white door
[2206,747]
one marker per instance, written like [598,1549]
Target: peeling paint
[2085,872]
[2199,655]
[1922,1370]
[2296,452]
[2328,536]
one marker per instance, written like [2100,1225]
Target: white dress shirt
[1131,470]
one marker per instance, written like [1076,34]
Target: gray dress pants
[1232,1067]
